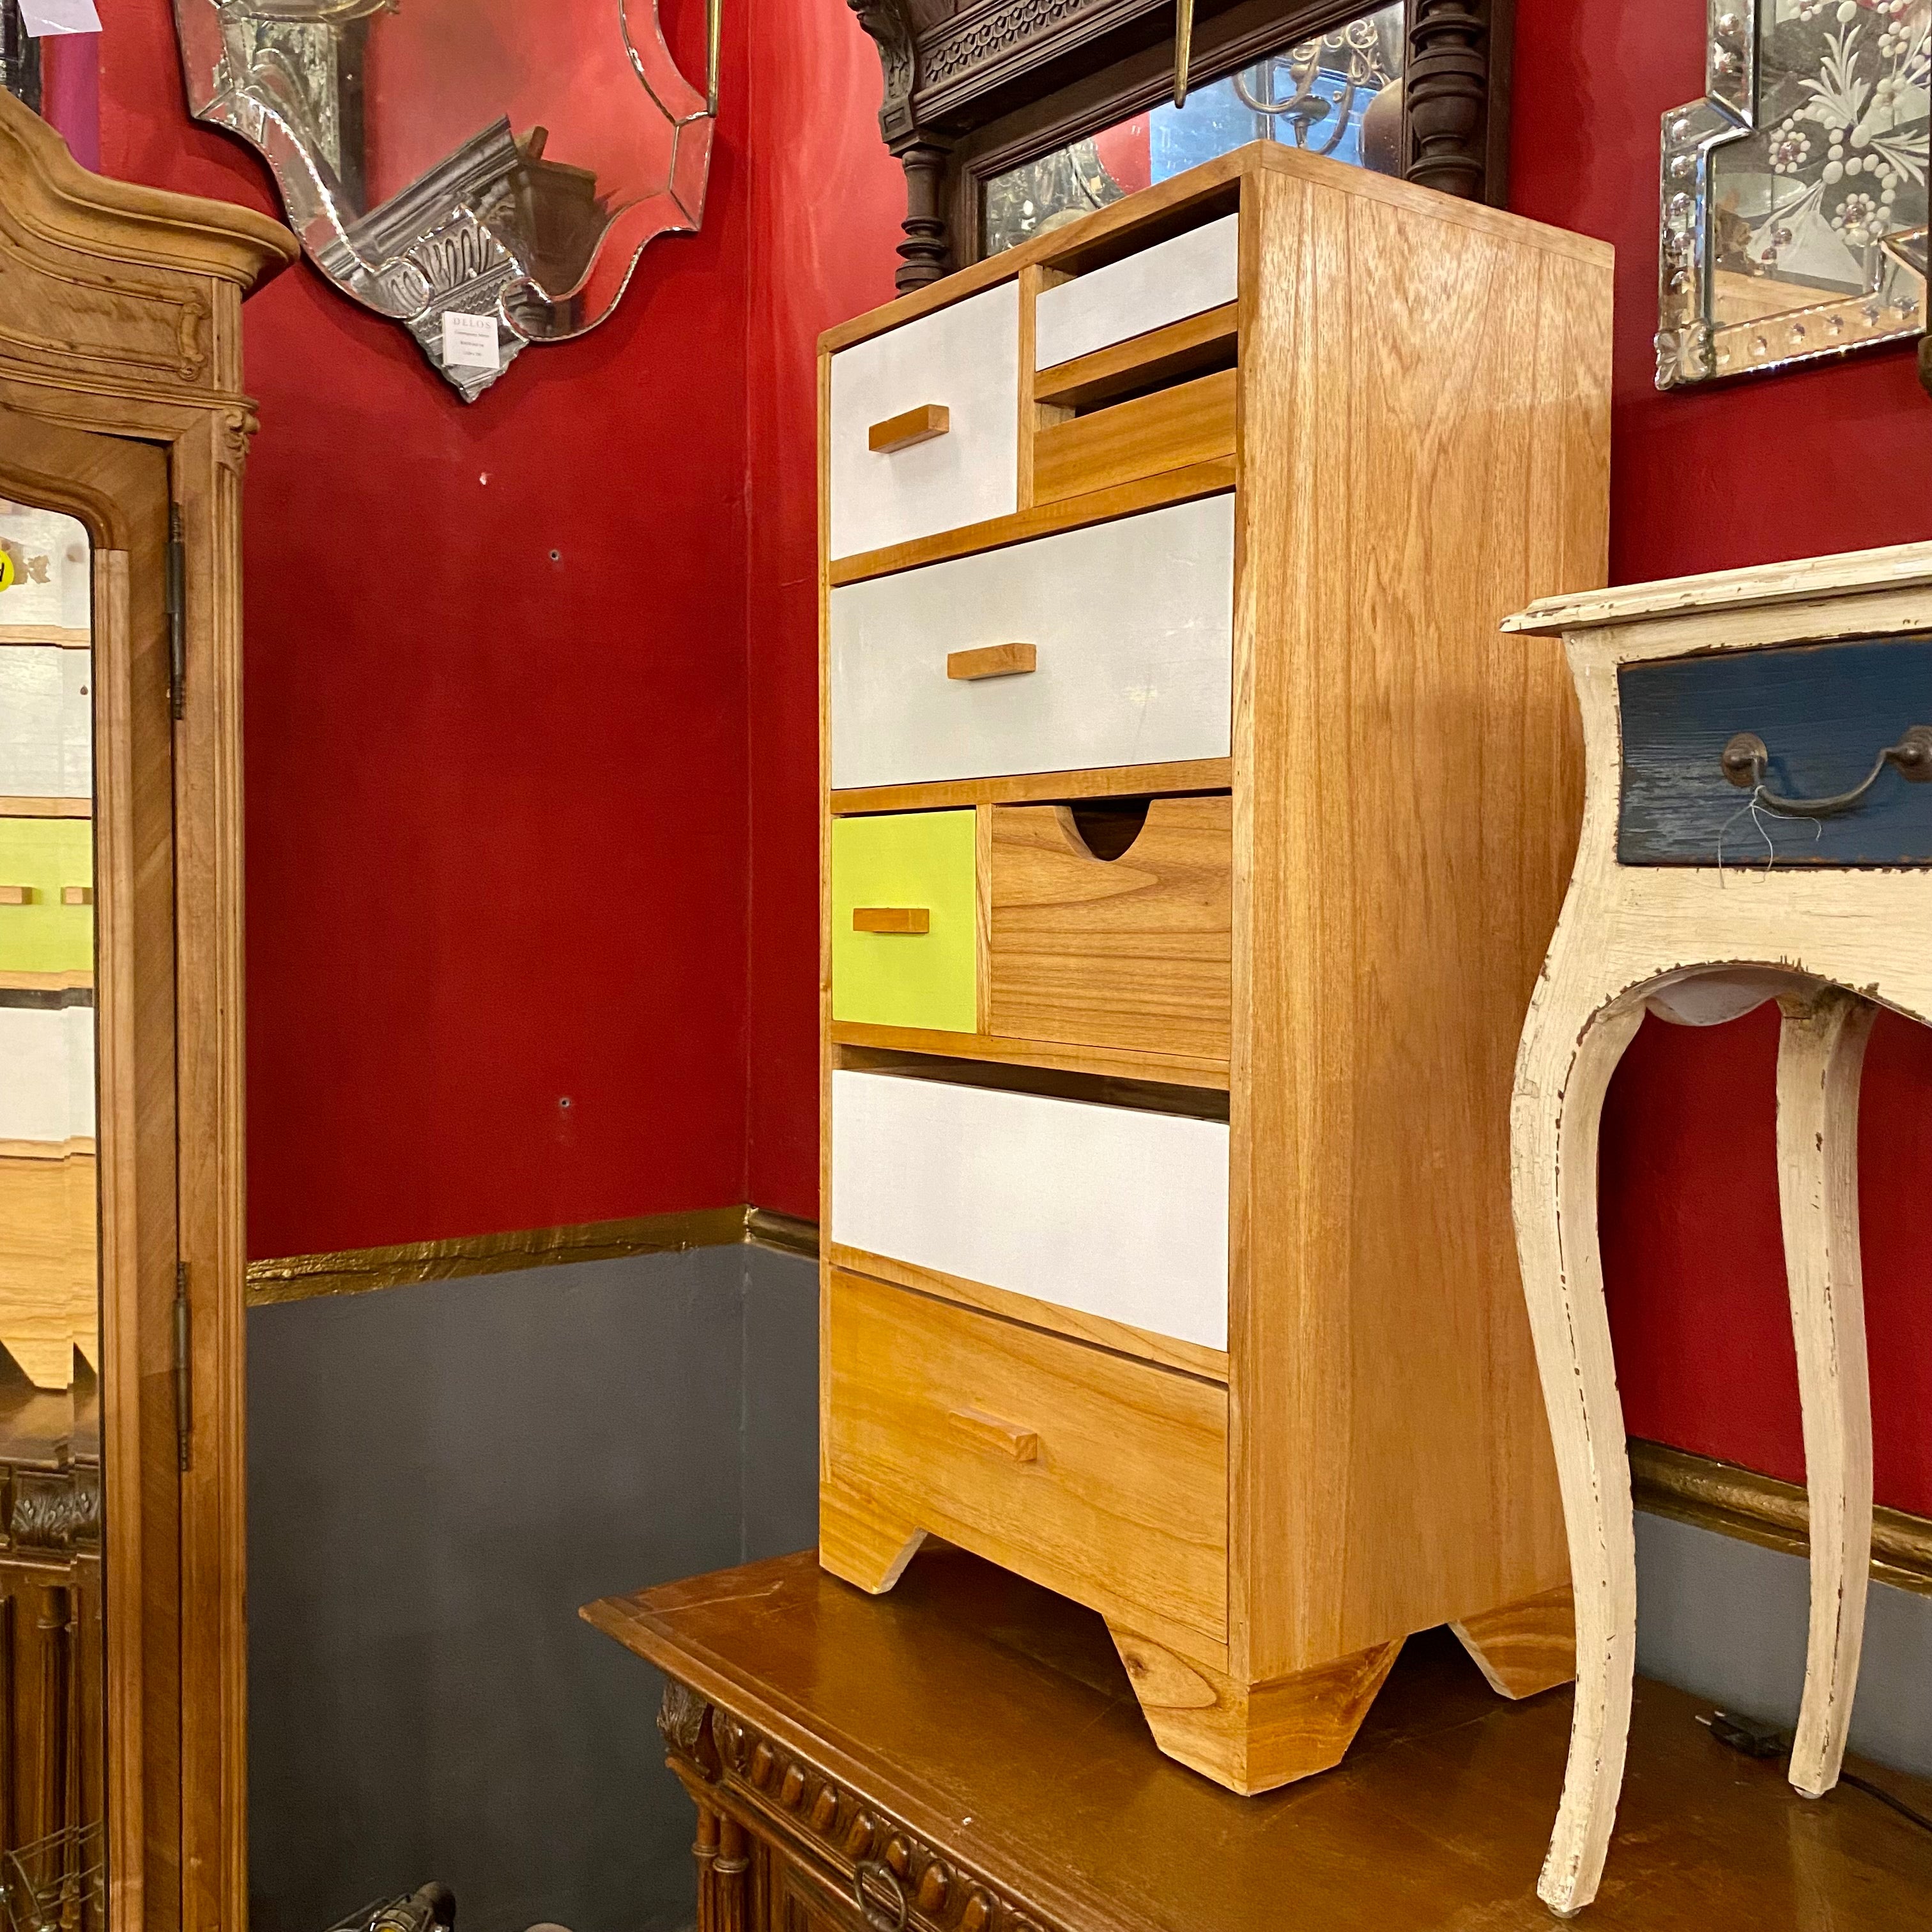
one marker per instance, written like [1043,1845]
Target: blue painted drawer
[1824,711]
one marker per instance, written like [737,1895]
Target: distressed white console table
[1756,825]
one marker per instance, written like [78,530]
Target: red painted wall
[520,830]
[497,842]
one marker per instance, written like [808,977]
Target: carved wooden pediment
[110,284]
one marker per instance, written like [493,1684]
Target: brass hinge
[177,615]
[183,1387]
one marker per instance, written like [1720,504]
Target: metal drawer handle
[887,1880]
[1746,756]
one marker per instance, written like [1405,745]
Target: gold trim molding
[1737,1501]
[360,1270]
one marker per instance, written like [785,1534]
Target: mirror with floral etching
[1794,193]
[487,173]
[52,1712]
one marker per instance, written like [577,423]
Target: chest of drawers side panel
[1407,793]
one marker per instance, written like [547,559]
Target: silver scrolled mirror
[487,173]
[1794,193]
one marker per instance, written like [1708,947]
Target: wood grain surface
[973,1718]
[1134,952]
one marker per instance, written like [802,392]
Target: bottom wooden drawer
[1103,1478]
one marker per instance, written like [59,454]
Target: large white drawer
[1197,270]
[964,359]
[1110,1211]
[1133,623]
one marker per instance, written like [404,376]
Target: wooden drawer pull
[76,895]
[918,425]
[16,895]
[891,919]
[991,661]
[1021,1444]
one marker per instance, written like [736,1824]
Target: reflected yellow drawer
[904,931]
[42,858]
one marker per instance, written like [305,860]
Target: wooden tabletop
[993,1719]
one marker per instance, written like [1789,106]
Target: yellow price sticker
[6,570]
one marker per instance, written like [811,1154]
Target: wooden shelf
[1163,1069]
[13,806]
[1032,787]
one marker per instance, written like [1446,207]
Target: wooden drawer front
[964,360]
[1196,271]
[46,722]
[1103,1478]
[46,1094]
[43,857]
[1109,1211]
[1136,951]
[1131,624]
[1824,711]
[912,871]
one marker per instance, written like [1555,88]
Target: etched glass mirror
[487,173]
[1794,193]
[53,1740]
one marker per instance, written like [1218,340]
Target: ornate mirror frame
[470,237]
[973,89]
[121,375]
[1809,147]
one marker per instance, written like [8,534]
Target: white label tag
[470,341]
[60,17]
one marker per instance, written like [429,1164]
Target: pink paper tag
[60,17]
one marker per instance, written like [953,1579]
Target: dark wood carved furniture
[974,87]
[969,1747]
[122,407]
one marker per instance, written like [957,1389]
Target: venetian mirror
[53,1750]
[1794,193]
[487,173]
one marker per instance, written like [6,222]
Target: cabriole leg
[1566,1065]
[1820,1054]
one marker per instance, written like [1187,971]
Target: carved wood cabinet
[977,87]
[123,431]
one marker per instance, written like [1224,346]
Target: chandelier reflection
[487,173]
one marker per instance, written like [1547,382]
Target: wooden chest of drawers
[1192,842]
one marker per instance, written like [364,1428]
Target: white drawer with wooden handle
[1192,272]
[1111,1211]
[1130,625]
[924,425]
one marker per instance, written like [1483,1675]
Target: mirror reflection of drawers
[1190,845]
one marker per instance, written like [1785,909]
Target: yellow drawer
[41,859]
[904,921]
[1103,1478]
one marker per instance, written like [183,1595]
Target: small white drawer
[1197,270]
[1131,624]
[964,360]
[46,722]
[1110,1211]
[46,1072]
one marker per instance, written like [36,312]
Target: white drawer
[966,360]
[1194,271]
[1107,1210]
[46,1072]
[1132,625]
[46,722]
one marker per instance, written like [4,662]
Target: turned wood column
[926,253]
